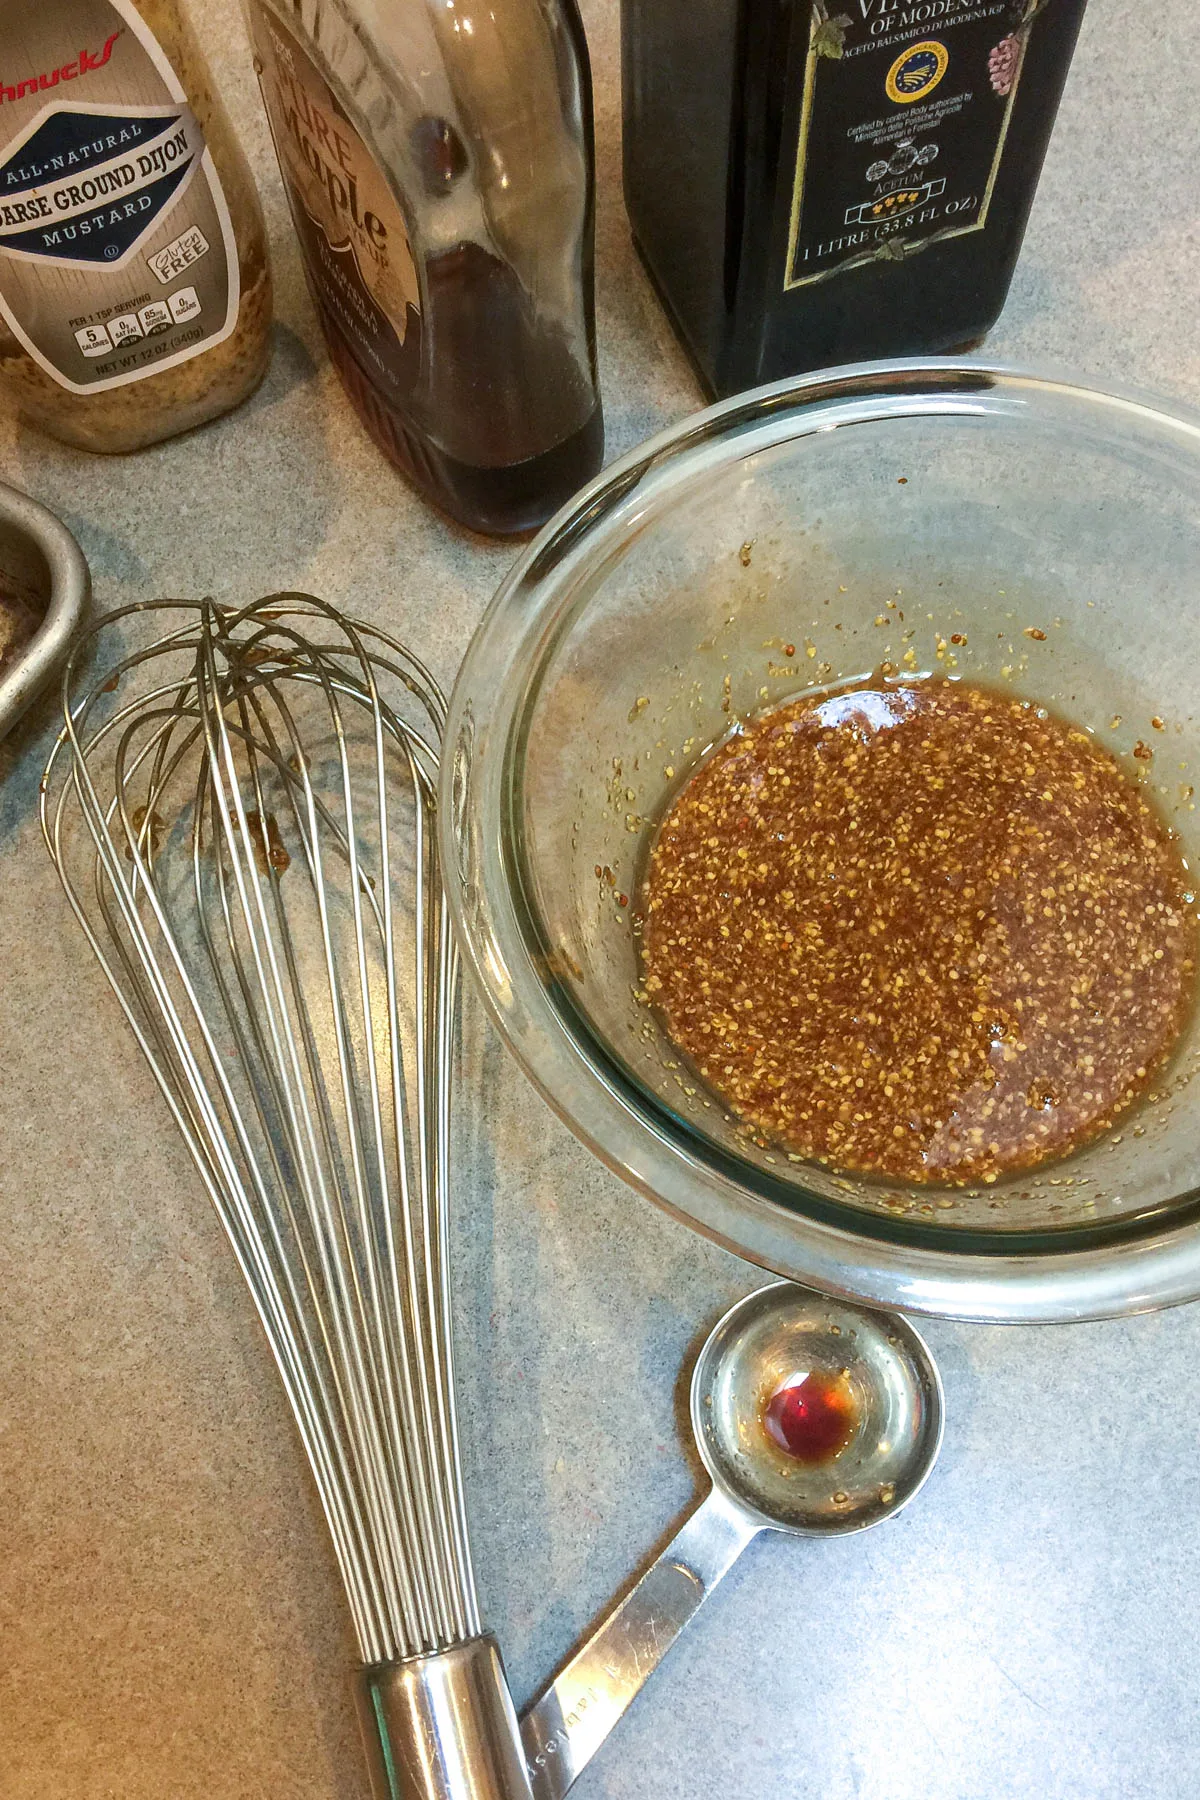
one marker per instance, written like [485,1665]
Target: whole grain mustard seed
[924,930]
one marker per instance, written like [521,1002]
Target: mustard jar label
[117,254]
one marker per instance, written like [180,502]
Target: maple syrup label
[354,240]
[117,254]
[904,116]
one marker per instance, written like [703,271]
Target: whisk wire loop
[242,813]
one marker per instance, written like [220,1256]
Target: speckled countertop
[170,1622]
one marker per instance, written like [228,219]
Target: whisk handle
[443,1727]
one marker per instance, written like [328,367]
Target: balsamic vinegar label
[117,254]
[904,115]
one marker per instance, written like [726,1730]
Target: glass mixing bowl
[939,517]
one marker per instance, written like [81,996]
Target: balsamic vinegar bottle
[437,157]
[813,183]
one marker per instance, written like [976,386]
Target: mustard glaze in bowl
[764,547]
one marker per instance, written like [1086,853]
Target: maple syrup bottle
[814,183]
[437,156]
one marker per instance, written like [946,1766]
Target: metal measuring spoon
[871,1371]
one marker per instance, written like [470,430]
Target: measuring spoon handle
[563,1730]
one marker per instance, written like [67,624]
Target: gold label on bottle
[117,254]
[355,243]
[904,116]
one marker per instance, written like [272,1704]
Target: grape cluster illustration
[1002,64]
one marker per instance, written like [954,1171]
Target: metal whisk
[241,811]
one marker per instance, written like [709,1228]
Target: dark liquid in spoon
[812,1419]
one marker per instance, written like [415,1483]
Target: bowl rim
[70,590]
[1150,1260]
